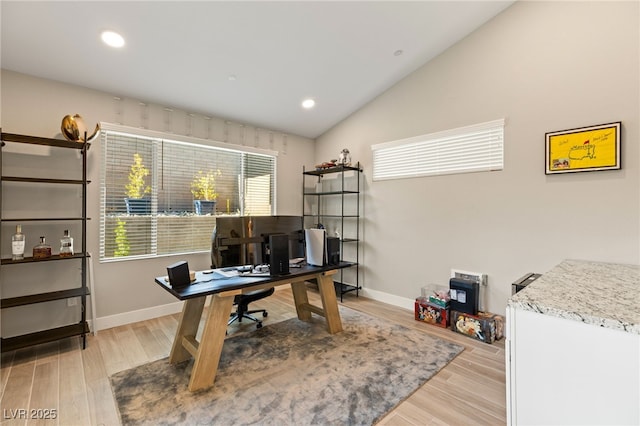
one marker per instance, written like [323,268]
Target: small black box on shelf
[333,251]
[465,295]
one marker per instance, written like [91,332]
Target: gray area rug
[291,373]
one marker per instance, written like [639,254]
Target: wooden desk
[207,351]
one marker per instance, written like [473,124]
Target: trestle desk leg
[207,358]
[301,300]
[187,327]
[329,302]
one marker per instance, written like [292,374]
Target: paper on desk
[223,273]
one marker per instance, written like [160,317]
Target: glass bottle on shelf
[42,250]
[17,244]
[66,245]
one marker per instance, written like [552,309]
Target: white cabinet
[566,372]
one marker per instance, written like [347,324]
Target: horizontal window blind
[164,217]
[259,177]
[468,149]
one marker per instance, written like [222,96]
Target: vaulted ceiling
[251,62]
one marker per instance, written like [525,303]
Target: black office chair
[232,255]
[243,300]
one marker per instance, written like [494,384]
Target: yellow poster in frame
[583,149]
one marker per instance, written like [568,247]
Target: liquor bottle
[42,250]
[66,245]
[17,244]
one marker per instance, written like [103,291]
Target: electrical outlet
[72,302]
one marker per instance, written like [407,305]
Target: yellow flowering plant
[137,187]
[203,185]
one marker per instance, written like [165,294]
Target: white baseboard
[124,318]
[391,299]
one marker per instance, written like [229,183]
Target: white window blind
[168,221]
[468,149]
[258,179]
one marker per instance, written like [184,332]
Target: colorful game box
[481,327]
[431,313]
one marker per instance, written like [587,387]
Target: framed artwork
[584,149]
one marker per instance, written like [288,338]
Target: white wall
[543,66]
[124,291]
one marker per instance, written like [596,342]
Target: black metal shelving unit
[80,290]
[347,221]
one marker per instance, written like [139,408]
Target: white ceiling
[181,54]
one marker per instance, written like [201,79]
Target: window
[468,149]
[149,186]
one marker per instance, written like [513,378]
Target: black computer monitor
[240,240]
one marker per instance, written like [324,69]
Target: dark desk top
[206,284]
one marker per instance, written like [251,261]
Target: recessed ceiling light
[308,103]
[112,39]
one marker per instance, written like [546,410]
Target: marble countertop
[601,294]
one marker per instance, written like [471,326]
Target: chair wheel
[259,325]
[264,314]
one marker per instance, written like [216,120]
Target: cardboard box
[499,319]
[431,313]
[479,327]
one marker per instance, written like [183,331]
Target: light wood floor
[61,376]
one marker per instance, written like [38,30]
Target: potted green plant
[137,188]
[203,188]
